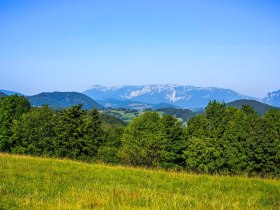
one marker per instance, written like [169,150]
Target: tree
[93,134]
[79,134]
[71,130]
[34,133]
[11,108]
[204,155]
[143,140]
[172,156]
[263,144]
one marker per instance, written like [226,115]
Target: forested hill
[259,107]
[61,100]
[2,95]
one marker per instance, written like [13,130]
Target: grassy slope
[39,183]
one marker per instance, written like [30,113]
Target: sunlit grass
[41,183]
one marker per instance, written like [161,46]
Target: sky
[67,45]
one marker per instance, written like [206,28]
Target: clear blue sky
[71,45]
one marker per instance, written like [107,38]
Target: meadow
[45,183]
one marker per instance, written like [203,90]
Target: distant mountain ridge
[273,98]
[9,92]
[177,95]
[2,95]
[259,107]
[61,100]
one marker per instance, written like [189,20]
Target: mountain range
[148,97]
[176,95]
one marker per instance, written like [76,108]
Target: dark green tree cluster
[72,133]
[223,140]
[153,141]
[233,141]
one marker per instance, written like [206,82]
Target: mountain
[259,107]
[273,98]
[8,92]
[61,100]
[182,96]
[2,95]
[116,104]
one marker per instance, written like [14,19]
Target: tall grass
[41,183]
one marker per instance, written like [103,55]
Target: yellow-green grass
[42,183]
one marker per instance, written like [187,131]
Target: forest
[222,140]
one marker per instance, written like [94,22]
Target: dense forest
[223,140]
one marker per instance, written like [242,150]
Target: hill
[273,98]
[2,95]
[61,100]
[41,183]
[259,107]
[8,92]
[177,95]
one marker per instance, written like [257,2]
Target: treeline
[224,140]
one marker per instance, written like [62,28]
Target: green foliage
[204,155]
[11,108]
[224,140]
[79,135]
[174,144]
[34,132]
[142,141]
[234,141]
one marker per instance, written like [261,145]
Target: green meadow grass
[41,183]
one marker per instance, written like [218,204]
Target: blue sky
[71,45]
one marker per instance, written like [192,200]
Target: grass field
[41,183]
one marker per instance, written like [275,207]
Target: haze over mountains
[149,96]
[177,95]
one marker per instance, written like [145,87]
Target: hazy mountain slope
[182,96]
[2,95]
[258,106]
[273,98]
[60,100]
[8,92]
